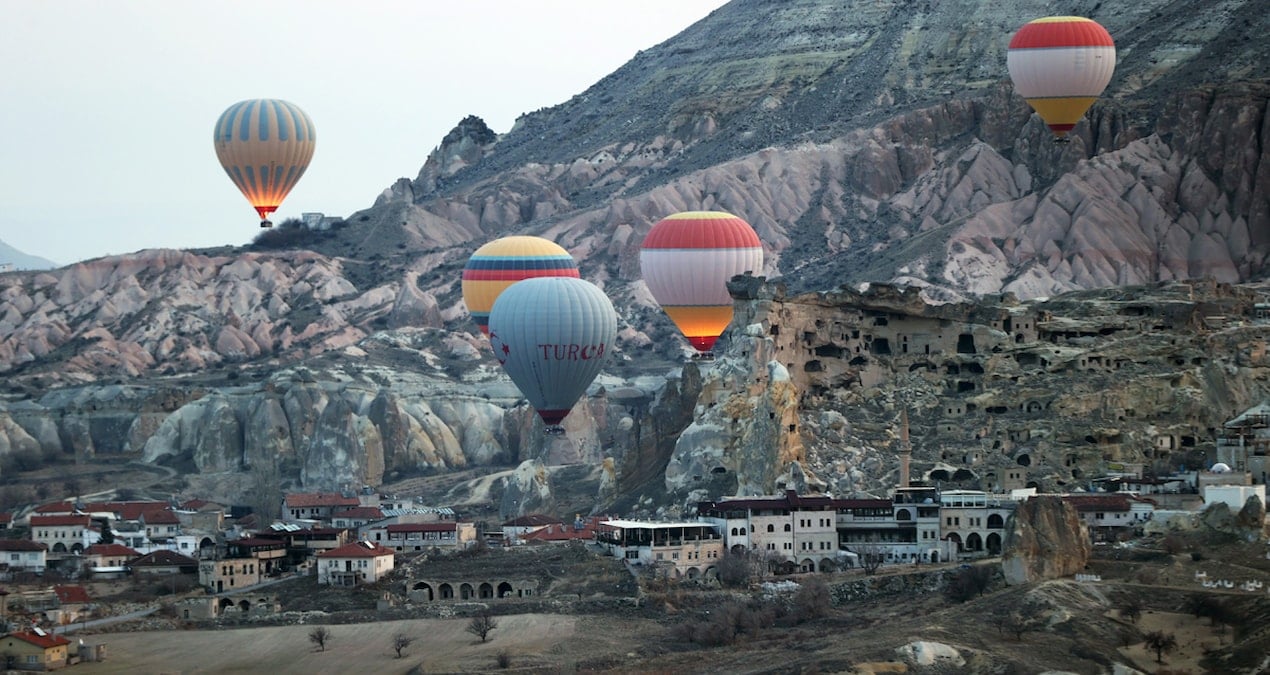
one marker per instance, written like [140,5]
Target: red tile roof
[132,510]
[1110,502]
[6,517]
[111,550]
[359,549]
[312,499]
[56,507]
[60,521]
[22,545]
[72,594]
[46,641]
[164,517]
[163,558]
[561,533]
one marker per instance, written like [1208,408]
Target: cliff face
[866,142]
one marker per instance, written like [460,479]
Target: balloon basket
[553,430]
[1061,140]
[703,356]
[266,223]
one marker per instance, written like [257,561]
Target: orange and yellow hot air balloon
[1060,65]
[687,260]
[265,145]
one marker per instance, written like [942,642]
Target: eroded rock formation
[1045,539]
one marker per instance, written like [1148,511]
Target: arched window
[787,527]
[734,531]
[771,527]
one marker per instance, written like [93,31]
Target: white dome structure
[1220,467]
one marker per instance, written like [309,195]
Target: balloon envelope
[502,262]
[1060,65]
[687,260]
[552,334]
[265,145]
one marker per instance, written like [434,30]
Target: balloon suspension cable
[553,430]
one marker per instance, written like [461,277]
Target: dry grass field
[550,642]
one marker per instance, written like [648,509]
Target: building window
[771,528]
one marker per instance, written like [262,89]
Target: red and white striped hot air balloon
[687,260]
[1060,65]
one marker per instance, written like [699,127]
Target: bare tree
[320,635]
[734,569]
[400,641]
[1159,642]
[871,559]
[812,600]
[481,625]
[1131,609]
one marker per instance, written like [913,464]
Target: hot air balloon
[1060,65]
[552,335]
[503,262]
[265,145]
[687,260]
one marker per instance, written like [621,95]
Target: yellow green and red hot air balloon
[1060,65]
[265,145]
[503,262]
[687,260]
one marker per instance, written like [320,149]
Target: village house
[361,562]
[73,604]
[1106,514]
[34,650]
[64,534]
[515,529]
[685,549]
[108,559]
[355,517]
[558,533]
[270,554]
[317,506]
[22,555]
[404,537]
[1243,443]
[228,574]
[162,563]
[304,543]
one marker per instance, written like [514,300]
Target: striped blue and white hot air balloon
[553,336]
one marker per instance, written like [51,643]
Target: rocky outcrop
[1045,539]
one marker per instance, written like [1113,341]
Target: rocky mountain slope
[866,142]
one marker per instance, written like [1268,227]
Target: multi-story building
[800,529]
[64,534]
[361,562]
[974,520]
[685,549]
[317,506]
[21,555]
[404,537]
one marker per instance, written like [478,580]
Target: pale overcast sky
[108,106]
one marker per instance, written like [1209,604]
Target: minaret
[906,449]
